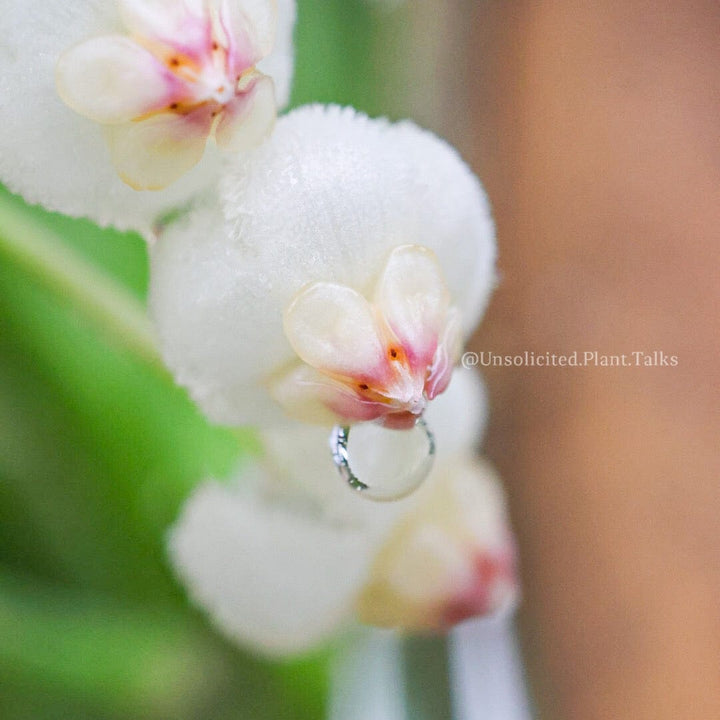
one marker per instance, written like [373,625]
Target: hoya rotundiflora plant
[319,270]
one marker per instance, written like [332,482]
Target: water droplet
[380,463]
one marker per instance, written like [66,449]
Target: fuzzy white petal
[51,155]
[326,199]
[269,575]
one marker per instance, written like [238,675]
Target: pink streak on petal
[403,420]
[420,358]
[349,406]
[445,356]
[494,585]
[151,154]
[440,374]
[249,118]
[241,53]
[342,400]
[186,32]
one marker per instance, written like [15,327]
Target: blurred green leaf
[115,660]
[98,448]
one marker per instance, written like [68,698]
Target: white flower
[148,81]
[295,284]
[287,555]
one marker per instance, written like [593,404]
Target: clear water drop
[380,463]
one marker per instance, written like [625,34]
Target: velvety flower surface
[338,241]
[100,95]
[286,555]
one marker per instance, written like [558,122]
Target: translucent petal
[151,154]
[258,18]
[279,63]
[301,393]
[414,300]
[245,44]
[112,79]
[184,24]
[249,118]
[261,569]
[446,355]
[307,395]
[350,188]
[332,328]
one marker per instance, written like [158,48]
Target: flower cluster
[284,556]
[321,268]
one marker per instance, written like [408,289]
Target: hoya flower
[106,102]
[367,361]
[334,279]
[285,555]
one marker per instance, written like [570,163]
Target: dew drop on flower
[382,463]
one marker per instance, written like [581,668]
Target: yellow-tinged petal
[256,18]
[248,119]
[164,19]
[414,300]
[112,79]
[150,154]
[332,328]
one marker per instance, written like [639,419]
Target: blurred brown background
[597,133]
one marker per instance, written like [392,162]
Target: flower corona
[382,360]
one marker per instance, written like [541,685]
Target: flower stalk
[28,244]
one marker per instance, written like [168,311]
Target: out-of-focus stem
[38,251]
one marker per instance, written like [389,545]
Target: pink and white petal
[248,119]
[307,395]
[261,569]
[446,355]
[248,24]
[332,328]
[448,560]
[237,35]
[182,24]
[413,299]
[151,154]
[112,79]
